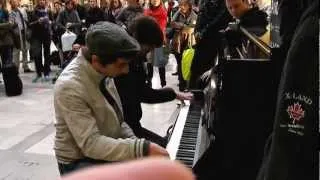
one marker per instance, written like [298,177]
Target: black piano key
[185,160]
[187,146]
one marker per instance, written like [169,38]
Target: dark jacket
[6,35]
[133,91]
[41,30]
[65,17]
[112,14]
[81,11]
[293,154]
[94,15]
[289,13]
[128,14]
[212,17]
[255,21]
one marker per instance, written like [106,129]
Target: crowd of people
[33,31]
[98,95]
[181,22]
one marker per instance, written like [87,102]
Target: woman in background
[157,57]
[69,18]
[126,15]
[114,10]
[94,14]
[183,23]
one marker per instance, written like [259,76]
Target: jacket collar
[95,76]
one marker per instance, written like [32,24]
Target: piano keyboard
[182,144]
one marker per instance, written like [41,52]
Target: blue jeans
[79,164]
[36,48]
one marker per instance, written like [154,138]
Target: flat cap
[108,39]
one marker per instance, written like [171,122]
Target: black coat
[41,30]
[289,12]
[293,154]
[81,11]
[133,91]
[255,21]
[212,17]
[94,15]
[6,35]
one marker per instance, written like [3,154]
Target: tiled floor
[27,131]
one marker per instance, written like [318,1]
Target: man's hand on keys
[156,150]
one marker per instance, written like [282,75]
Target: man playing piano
[132,87]
[89,120]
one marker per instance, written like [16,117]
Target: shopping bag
[53,48]
[67,39]
[187,57]
[160,56]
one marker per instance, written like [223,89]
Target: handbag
[169,32]
[160,56]
[67,39]
[187,58]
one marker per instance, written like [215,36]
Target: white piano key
[173,144]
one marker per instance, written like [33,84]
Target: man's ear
[95,61]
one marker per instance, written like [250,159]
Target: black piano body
[241,121]
[235,119]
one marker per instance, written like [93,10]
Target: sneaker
[54,80]
[46,78]
[36,79]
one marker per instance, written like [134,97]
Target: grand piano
[221,134]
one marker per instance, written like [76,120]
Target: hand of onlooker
[184,96]
[173,24]
[68,25]
[41,20]
[156,150]
[145,169]
[185,35]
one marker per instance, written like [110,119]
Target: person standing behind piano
[133,88]
[40,24]
[252,19]
[183,23]
[89,121]
[69,18]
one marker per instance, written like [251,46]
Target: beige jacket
[86,124]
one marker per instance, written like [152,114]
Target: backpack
[12,82]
